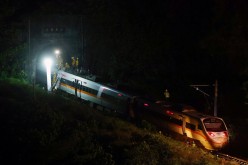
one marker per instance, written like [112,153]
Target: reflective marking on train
[73,88]
[189,130]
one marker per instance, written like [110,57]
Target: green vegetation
[51,129]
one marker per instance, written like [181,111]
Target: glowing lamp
[57,51]
[169,112]
[146,105]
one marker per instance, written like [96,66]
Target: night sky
[154,44]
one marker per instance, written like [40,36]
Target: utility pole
[205,94]
[30,62]
[215,97]
[82,33]
[29,53]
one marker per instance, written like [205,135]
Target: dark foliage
[51,129]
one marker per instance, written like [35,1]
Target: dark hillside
[54,130]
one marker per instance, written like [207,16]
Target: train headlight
[211,134]
[224,134]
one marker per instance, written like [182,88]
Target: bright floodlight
[57,51]
[48,64]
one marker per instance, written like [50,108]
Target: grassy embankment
[51,129]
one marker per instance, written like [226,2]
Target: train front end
[216,132]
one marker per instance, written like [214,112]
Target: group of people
[74,67]
[74,64]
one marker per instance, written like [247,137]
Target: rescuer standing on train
[167,95]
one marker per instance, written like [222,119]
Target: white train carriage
[211,132]
[93,92]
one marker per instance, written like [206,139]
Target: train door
[76,85]
[183,125]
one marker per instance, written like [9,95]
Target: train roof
[185,109]
[194,113]
[191,111]
[180,108]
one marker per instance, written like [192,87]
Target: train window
[108,97]
[176,121]
[199,126]
[79,86]
[112,98]
[67,82]
[190,126]
[88,90]
[214,124]
[165,117]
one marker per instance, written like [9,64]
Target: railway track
[231,158]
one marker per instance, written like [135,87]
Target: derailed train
[208,131]
[211,132]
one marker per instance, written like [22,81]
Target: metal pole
[215,97]
[30,62]
[29,44]
[48,68]
[82,41]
